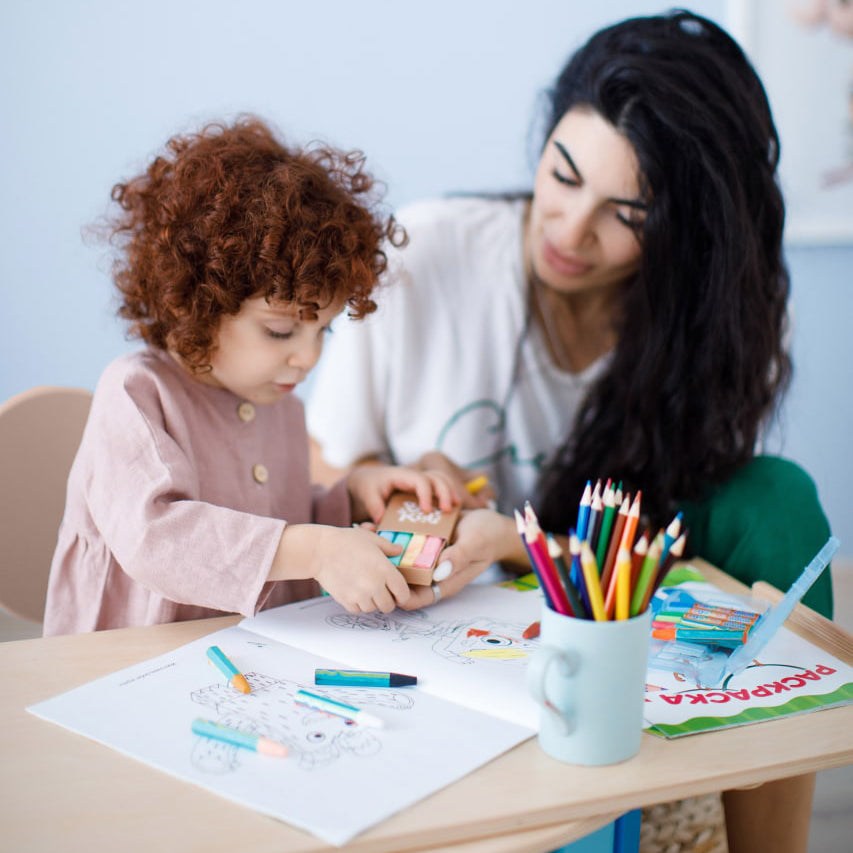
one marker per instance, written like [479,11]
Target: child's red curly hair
[231,213]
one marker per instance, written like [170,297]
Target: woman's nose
[576,227]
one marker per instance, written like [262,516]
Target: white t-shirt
[447,361]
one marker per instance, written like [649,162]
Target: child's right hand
[350,563]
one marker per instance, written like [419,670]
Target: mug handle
[537,672]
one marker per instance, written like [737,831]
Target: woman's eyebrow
[628,202]
[568,158]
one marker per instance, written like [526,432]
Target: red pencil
[548,575]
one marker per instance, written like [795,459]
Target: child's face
[265,350]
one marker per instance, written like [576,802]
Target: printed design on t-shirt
[482,425]
[313,738]
[478,640]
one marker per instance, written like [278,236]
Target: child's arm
[370,486]
[350,563]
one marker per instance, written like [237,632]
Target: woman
[626,320]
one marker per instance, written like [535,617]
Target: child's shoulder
[137,364]
[142,374]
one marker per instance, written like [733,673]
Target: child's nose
[306,356]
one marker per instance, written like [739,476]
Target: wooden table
[61,792]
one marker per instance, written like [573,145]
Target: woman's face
[582,231]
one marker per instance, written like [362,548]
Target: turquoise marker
[339,709]
[234,737]
[360,678]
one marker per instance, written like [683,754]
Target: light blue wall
[440,95]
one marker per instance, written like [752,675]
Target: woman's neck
[578,328]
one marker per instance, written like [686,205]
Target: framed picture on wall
[803,51]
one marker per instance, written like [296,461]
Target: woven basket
[694,825]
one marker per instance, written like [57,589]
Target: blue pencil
[583,510]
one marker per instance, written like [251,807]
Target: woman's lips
[564,264]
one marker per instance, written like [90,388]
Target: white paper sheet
[469,649]
[338,780]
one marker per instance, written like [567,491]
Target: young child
[190,494]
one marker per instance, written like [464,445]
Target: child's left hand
[370,486]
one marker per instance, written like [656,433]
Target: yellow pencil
[477,484]
[593,585]
[623,583]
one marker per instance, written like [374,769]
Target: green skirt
[765,523]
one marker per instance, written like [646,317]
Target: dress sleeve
[143,498]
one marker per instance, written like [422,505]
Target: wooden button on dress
[260,473]
[246,412]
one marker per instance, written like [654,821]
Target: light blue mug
[589,679]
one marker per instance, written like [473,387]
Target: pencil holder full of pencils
[588,676]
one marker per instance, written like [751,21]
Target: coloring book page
[469,649]
[790,676]
[338,778]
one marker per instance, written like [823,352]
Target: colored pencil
[583,511]
[623,584]
[608,503]
[236,737]
[591,580]
[235,678]
[676,552]
[615,542]
[520,527]
[595,509]
[539,548]
[576,573]
[476,484]
[629,532]
[670,534]
[638,555]
[643,588]
[556,553]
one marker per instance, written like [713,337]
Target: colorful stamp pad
[422,535]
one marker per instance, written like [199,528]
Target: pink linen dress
[177,500]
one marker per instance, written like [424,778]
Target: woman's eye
[631,218]
[564,179]
[279,336]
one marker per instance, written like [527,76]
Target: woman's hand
[482,497]
[370,486]
[483,537]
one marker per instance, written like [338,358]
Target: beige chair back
[40,431]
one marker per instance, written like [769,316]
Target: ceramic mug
[589,679]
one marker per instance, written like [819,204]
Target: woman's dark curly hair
[700,361]
[231,213]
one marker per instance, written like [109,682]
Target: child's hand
[350,563]
[482,537]
[481,497]
[370,486]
